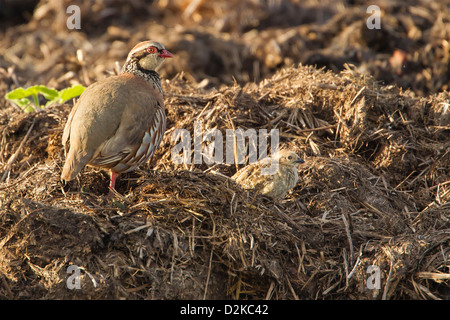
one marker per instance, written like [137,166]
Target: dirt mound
[369,218]
[373,192]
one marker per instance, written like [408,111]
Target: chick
[275,184]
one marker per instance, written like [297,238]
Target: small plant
[21,96]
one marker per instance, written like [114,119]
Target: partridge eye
[151,49]
[290,158]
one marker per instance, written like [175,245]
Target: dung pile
[373,195]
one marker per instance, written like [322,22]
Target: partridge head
[118,122]
[147,55]
[289,159]
[276,184]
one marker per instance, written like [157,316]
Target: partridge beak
[299,160]
[166,54]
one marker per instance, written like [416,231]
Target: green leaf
[25,104]
[29,108]
[49,103]
[48,93]
[20,96]
[119,205]
[16,94]
[70,93]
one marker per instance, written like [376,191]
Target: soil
[367,109]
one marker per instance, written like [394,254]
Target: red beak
[166,54]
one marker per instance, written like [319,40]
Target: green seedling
[21,97]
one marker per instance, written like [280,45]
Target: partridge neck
[150,76]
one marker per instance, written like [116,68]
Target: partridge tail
[75,162]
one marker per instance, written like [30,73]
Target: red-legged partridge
[119,122]
[273,184]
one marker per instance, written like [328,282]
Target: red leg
[112,182]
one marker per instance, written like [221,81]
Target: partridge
[119,122]
[276,184]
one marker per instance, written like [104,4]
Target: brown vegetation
[374,190]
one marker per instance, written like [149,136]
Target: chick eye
[290,158]
[151,49]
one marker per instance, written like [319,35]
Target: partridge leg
[112,183]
